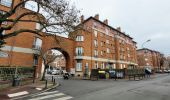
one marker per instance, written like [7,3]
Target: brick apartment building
[149,58]
[59,62]
[97,45]
[21,49]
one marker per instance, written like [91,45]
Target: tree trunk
[45,67]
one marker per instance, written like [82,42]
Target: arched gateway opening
[63,45]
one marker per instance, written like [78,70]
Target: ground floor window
[79,66]
[35,60]
[96,65]
[102,65]
[121,66]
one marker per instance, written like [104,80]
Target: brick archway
[64,45]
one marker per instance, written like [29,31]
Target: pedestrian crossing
[51,95]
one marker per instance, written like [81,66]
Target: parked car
[49,71]
[167,71]
[55,72]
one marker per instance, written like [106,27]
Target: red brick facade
[102,46]
[96,45]
[148,58]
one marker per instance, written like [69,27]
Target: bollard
[52,78]
[46,83]
[54,82]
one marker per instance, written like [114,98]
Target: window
[108,50]
[79,66]
[6,2]
[101,53]
[121,57]
[102,65]
[79,51]
[37,43]
[79,38]
[3,32]
[38,26]
[124,66]
[114,66]
[101,43]
[96,65]
[95,33]
[107,41]
[95,53]
[128,55]
[2,12]
[35,60]
[107,32]
[95,43]
[121,66]
[101,34]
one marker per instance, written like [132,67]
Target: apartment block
[94,45]
[149,58]
[21,49]
[98,45]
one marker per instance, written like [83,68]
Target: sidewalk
[14,92]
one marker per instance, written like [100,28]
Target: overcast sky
[141,19]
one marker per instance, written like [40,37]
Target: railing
[7,73]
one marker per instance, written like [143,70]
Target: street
[155,88]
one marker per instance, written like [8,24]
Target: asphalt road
[155,88]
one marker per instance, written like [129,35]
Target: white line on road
[48,96]
[18,94]
[45,93]
[64,98]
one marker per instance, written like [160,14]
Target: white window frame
[79,66]
[95,43]
[102,53]
[95,33]
[37,43]
[95,53]
[79,51]
[107,41]
[108,50]
[80,38]
[96,65]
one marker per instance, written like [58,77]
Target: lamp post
[145,43]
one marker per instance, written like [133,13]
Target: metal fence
[8,73]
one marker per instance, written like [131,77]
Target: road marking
[39,89]
[48,96]
[64,98]
[45,93]
[18,94]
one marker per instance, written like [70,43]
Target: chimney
[82,18]
[106,21]
[96,16]
[119,29]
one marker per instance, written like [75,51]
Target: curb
[16,98]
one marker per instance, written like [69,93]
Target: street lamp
[145,42]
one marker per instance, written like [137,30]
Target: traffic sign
[3,54]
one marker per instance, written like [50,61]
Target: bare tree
[168,60]
[54,16]
[47,57]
